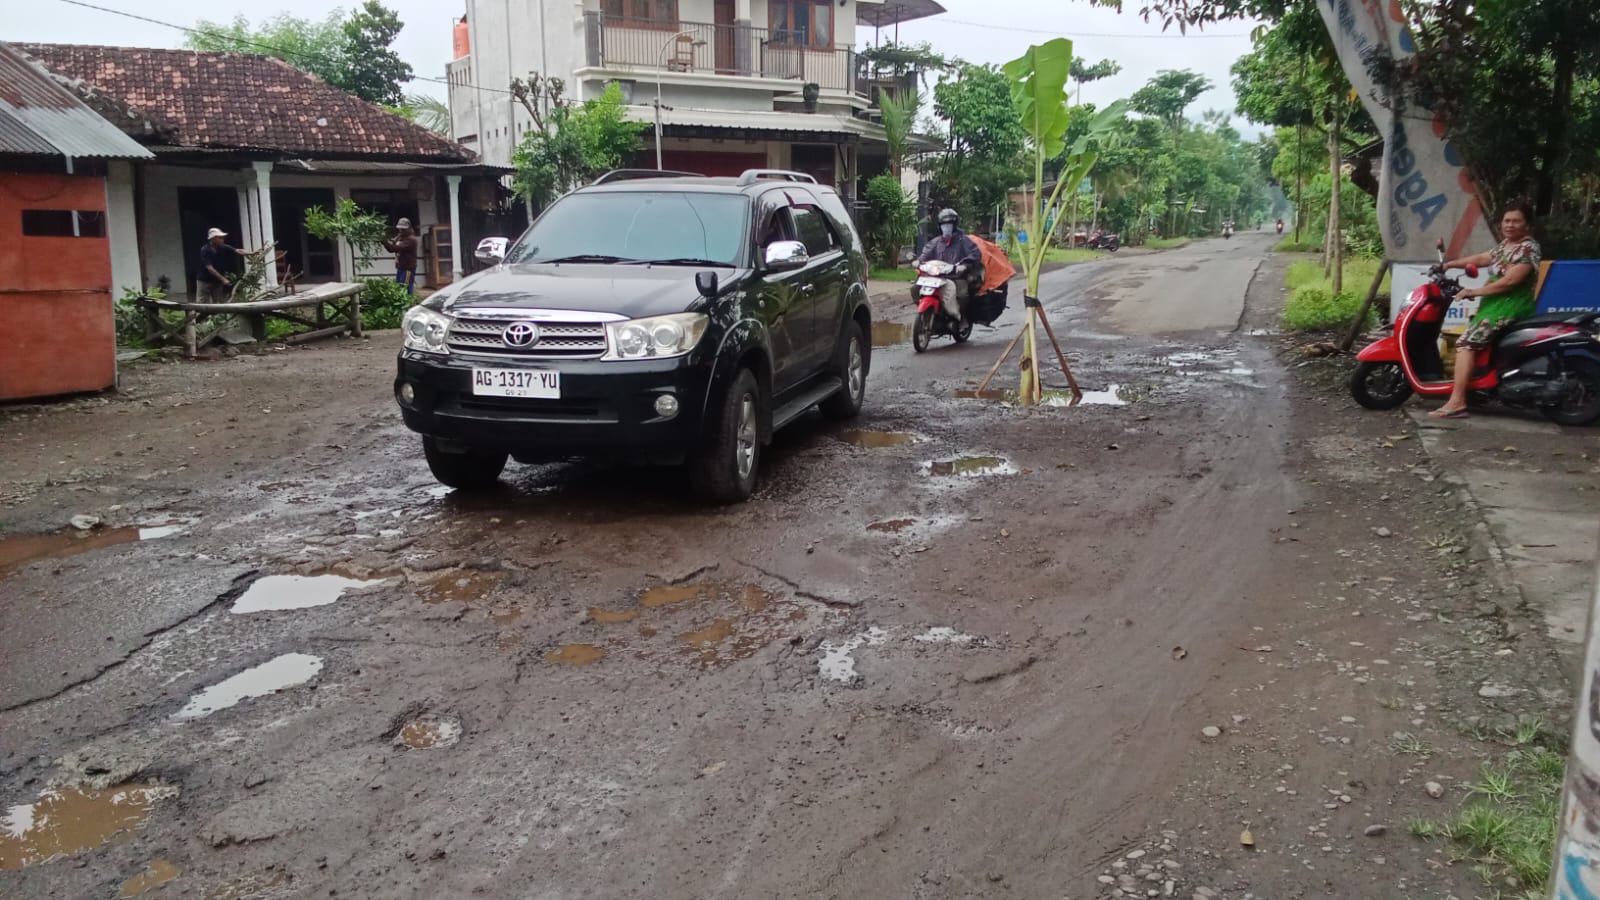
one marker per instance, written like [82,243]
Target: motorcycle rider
[954,247]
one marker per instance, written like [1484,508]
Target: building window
[802,23]
[643,13]
[63,223]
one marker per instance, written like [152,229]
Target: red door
[703,162]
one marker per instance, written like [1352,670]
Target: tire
[963,331]
[1582,406]
[468,471]
[725,468]
[1379,385]
[853,372]
[1113,247]
[922,332]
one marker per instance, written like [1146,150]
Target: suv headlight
[656,336]
[425,330]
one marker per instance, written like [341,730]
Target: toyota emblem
[520,334]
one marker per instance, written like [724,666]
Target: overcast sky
[975,30]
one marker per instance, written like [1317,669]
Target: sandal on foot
[1448,414]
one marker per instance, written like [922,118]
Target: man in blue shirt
[216,259]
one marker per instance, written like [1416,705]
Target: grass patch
[1508,825]
[1072,255]
[881,274]
[1166,243]
[1289,245]
[1313,306]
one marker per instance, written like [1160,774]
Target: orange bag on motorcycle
[997,268]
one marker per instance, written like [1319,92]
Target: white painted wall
[122,227]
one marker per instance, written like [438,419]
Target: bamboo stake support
[1366,305]
[1031,390]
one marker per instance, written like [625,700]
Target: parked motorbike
[1549,362]
[934,320]
[1107,242]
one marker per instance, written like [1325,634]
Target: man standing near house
[216,259]
[404,248]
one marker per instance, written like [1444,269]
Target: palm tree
[429,112]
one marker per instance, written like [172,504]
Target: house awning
[681,121]
[882,13]
[39,117]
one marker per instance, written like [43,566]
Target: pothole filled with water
[707,624]
[467,586]
[286,671]
[877,440]
[279,592]
[575,655]
[15,551]
[838,662]
[1114,395]
[970,467]
[429,732]
[156,873]
[889,334]
[69,820]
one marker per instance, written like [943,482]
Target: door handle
[807,289]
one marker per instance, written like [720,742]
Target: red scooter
[1550,363]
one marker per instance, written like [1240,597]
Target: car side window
[775,226]
[812,229]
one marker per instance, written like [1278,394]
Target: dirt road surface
[959,649]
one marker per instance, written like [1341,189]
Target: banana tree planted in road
[1039,89]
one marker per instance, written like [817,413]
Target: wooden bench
[322,309]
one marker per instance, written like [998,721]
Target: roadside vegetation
[1507,825]
[1313,305]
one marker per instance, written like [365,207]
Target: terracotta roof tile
[239,100]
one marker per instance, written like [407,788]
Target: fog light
[408,394]
[666,406]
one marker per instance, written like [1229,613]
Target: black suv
[656,316]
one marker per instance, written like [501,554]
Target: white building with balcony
[742,83]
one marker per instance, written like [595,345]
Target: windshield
[638,226]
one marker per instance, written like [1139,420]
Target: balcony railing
[704,48]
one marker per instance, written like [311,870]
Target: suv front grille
[557,340]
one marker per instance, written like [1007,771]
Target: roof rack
[751,176]
[627,174]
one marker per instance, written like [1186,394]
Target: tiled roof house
[248,143]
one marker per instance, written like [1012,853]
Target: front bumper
[605,407]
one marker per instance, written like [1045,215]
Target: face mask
[948,229]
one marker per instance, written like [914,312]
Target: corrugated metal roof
[39,117]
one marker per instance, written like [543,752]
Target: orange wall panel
[56,344]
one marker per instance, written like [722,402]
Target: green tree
[352,52]
[1169,94]
[569,144]
[373,71]
[1083,73]
[982,161]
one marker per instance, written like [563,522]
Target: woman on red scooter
[1512,266]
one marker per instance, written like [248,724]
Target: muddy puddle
[895,526]
[877,440]
[156,873]
[65,820]
[280,592]
[575,655]
[970,467]
[713,623]
[990,394]
[467,586]
[286,671]
[429,732]
[890,334]
[838,662]
[15,551]
[1114,395]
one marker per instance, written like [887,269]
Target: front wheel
[466,470]
[1379,385]
[847,403]
[1581,404]
[922,331]
[725,467]
[1113,248]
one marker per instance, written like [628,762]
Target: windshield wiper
[680,261]
[587,258]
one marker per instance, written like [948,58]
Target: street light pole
[661,63]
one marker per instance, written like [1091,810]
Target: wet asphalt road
[924,661]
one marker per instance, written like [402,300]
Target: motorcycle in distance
[1101,241]
[1547,362]
[1227,232]
[932,318]
[1280,226]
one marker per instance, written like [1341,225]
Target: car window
[637,225]
[812,229]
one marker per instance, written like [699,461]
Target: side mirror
[1440,247]
[492,250]
[706,284]
[784,256]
